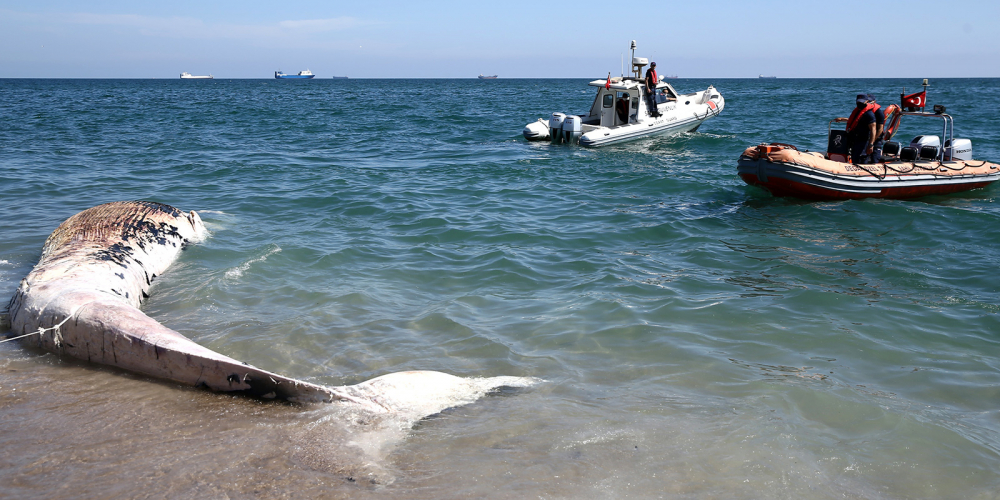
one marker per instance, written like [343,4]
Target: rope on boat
[885,171]
[886,167]
[914,166]
[933,167]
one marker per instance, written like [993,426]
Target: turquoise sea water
[698,338]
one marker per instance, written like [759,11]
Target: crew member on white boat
[622,107]
[651,80]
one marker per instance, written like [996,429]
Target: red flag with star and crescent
[917,100]
[608,85]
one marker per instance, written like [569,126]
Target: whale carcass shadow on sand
[82,300]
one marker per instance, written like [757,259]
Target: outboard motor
[925,140]
[927,145]
[572,129]
[555,127]
[961,150]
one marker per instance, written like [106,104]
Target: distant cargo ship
[188,76]
[339,77]
[762,76]
[484,77]
[670,77]
[300,75]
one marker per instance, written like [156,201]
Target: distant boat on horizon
[484,77]
[339,77]
[188,76]
[300,75]
[762,76]
[670,77]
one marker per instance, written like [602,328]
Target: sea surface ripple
[698,337]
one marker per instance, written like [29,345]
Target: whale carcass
[82,300]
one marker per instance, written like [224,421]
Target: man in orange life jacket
[651,80]
[862,129]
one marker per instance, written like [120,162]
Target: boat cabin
[624,101]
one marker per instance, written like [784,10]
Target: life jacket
[893,115]
[656,79]
[852,121]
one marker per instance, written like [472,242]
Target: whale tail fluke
[413,395]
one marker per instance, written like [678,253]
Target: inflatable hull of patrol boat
[684,113]
[683,118]
[785,171]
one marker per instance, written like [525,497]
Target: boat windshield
[664,94]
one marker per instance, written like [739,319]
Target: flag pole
[925,84]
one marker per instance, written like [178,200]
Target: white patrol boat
[622,111]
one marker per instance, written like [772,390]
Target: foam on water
[238,271]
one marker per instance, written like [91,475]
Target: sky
[513,39]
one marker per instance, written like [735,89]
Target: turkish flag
[608,85]
[917,100]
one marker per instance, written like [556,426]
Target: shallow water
[698,337]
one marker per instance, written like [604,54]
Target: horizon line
[477,78]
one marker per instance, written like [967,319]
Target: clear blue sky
[384,39]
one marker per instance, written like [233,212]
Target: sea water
[697,337]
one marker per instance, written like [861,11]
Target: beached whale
[82,300]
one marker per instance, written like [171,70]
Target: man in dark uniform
[879,113]
[651,81]
[861,130]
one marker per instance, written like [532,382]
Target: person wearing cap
[651,80]
[861,129]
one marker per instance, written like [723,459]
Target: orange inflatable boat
[922,168]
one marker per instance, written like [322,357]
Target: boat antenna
[633,51]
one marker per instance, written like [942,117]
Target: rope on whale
[41,330]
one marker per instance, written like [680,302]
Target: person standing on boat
[879,129]
[651,80]
[861,129]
